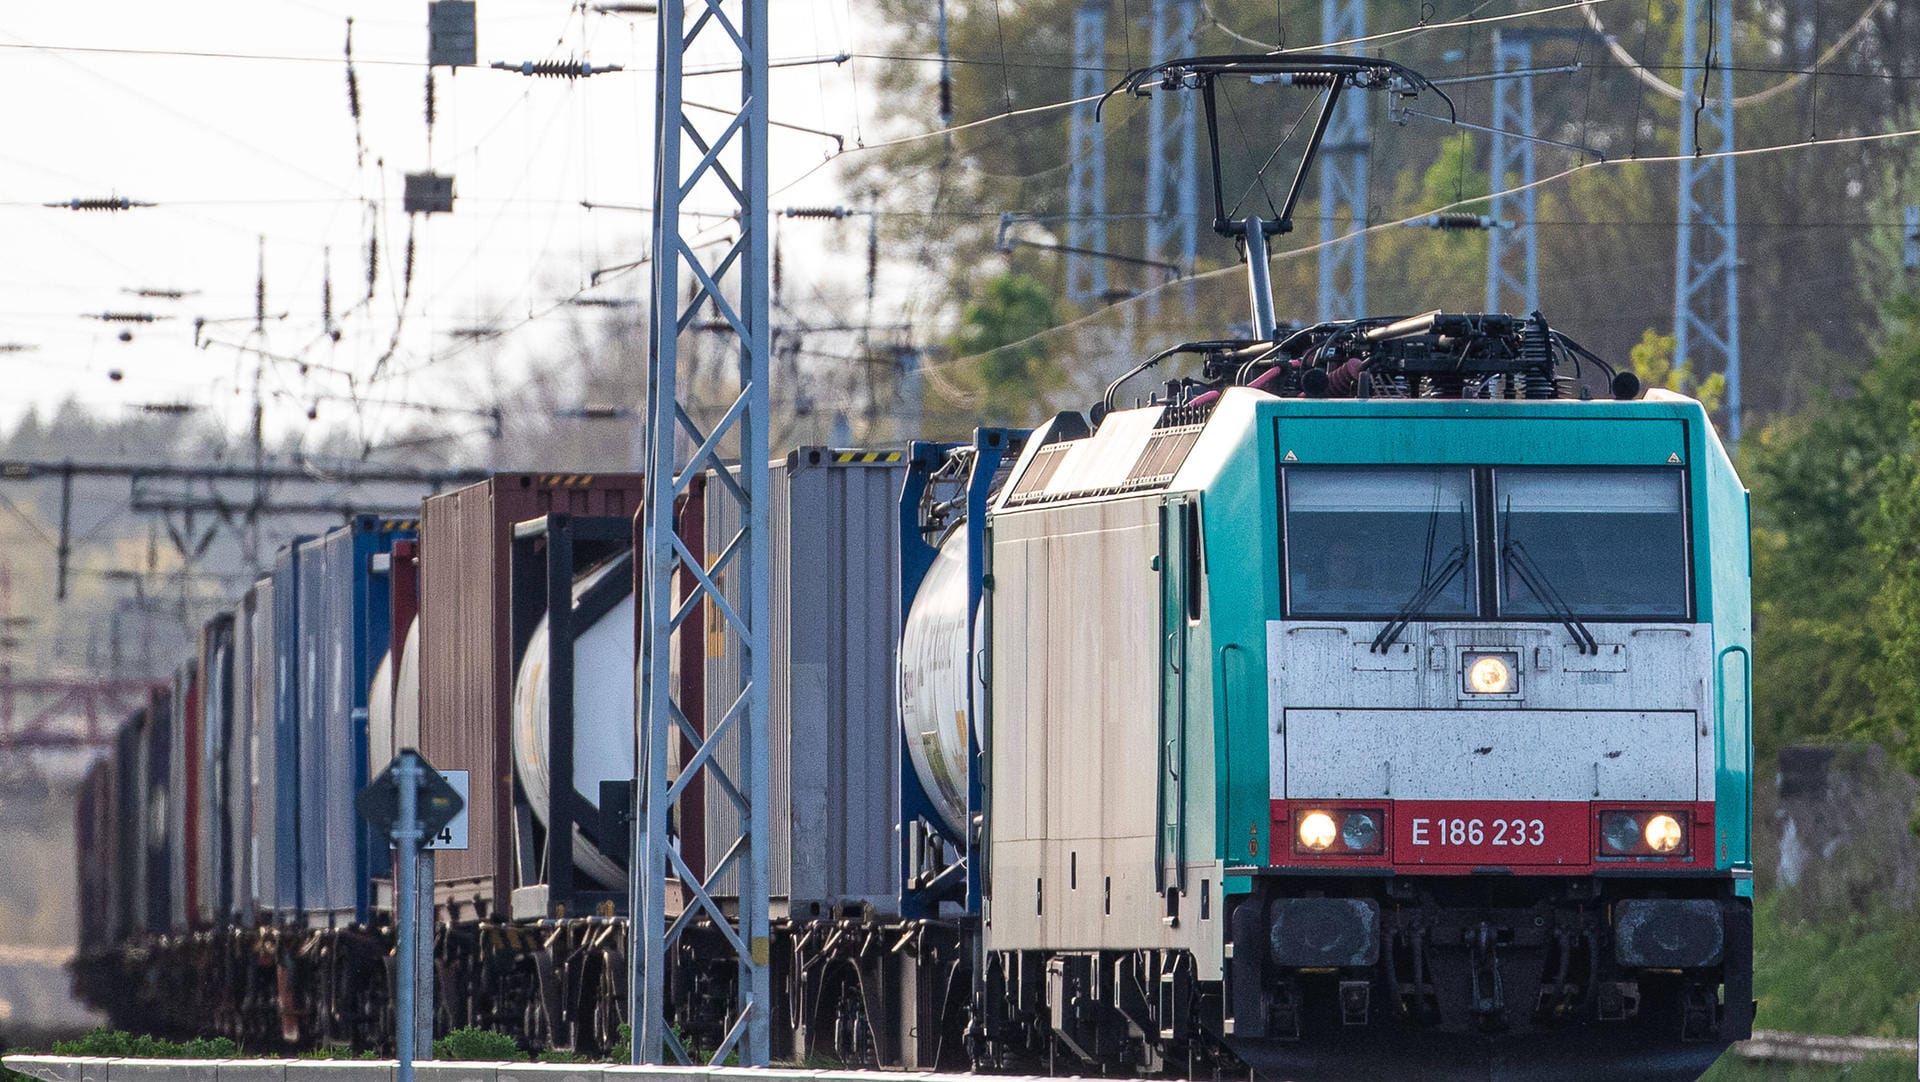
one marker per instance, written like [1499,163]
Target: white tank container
[603,660]
[939,684]
[393,714]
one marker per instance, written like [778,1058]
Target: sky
[233,119]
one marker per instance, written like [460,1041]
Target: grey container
[263,689]
[316,645]
[214,843]
[238,768]
[833,588]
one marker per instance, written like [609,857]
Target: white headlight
[1663,833]
[1490,674]
[1317,830]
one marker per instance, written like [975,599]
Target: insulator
[126,317]
[555,69]
[430,111]
[816,212]
[373,261]
[1536,350]
[353,80]
[110,203]
[1312,78]
[1455,220]
[407,272]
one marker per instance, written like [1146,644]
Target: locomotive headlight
[1490,674]
[1317,830]
[1621,832]
[1359,832]
[1663,833]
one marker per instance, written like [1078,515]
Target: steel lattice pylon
[727,163]
[1512,158]
[1343,181]
[1173,152]
[1706,293]
[1087,175]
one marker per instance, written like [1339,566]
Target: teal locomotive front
[1393,734]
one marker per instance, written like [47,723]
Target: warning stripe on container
[866,456]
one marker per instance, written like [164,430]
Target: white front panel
[1489,755]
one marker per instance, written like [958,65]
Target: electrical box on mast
[451,39]
[428,193]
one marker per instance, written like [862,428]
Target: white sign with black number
[454,834]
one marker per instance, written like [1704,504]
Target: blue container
[284,805]
[345,628]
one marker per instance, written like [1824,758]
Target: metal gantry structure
[1087,153]
[1706,293]
[717,159]
[1510,274]
[1343,180]
[1173,151]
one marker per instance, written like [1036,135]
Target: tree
[1009,374]
[1653,363]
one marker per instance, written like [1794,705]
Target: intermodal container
[287,886]
[237,769]
[466,694]
[213,846]
[158,829]
[94,858]
[130,851]
[833,756]
[345,628]
[263,689]
[183,796]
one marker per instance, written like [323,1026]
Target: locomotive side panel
[1075,741]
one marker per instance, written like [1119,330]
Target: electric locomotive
[1375,699]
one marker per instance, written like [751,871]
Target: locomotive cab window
[1599,544]
[1369,542]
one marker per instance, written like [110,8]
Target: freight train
[1373,697]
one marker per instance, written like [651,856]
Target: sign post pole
[406,835]
[425,923]
[411,802]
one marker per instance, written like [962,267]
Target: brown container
[466,671]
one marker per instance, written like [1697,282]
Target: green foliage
[1894,677]
[1653,362]
[1834,565]
[555,1055]
[474,1043]
[120,1044]
[622,1050]
[1008,369]
[334,1051]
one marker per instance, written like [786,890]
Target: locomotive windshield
[1361,542]
[1400,543]
[1610,543]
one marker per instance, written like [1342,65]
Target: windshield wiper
[1416,605]
[1517,557]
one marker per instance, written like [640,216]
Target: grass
[1854,976]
